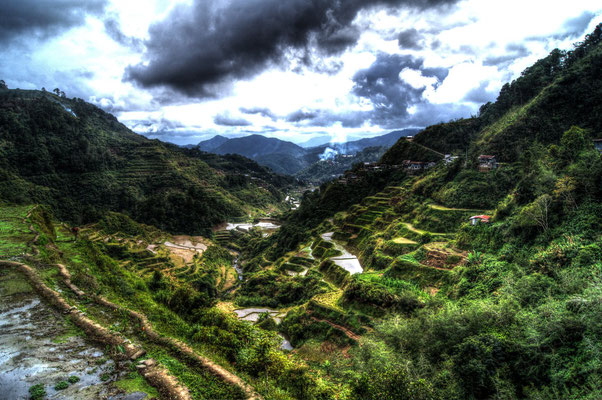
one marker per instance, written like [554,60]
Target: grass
[136,383]
[14,234]
[443,208]
[12,283]
[37,392]
[71,331]
[402,240]
[330,299]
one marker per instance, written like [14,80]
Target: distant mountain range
[288,158]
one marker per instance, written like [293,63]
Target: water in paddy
[346,260]
[37,346]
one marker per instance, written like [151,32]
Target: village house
[483,219]
[412,166]
[372,166]
[448,159]
[487,163]
[598,144]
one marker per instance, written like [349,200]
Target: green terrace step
[356,227]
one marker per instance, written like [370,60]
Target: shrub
[37,392]
[62,385]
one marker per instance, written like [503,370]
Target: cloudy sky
[185,70]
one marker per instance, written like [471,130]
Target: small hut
[479,219]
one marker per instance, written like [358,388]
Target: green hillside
[569,83]
[82,162]
[444,309]
[454,281]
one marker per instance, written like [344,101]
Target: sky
[185,70]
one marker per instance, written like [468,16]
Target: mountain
[449,281]
[386,140]
[317,141]
[82,162]
[212,144]
[290,159]
[335,165]
[281,156]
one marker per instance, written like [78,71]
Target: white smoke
[329,154]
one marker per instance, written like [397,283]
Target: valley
[464,262]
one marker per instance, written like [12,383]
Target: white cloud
[463,39]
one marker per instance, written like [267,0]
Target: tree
[3,85]
[539,211]
[57,91]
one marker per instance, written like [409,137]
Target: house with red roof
[477,219]
[487,163]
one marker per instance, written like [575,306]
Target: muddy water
[38,347]
[346,260]
[238,269]
[252,314]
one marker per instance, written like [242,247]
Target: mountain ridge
[83,162]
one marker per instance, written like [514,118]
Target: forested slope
[445,309]
[82,162]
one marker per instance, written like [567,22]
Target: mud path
[350,334]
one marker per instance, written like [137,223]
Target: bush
[37,392]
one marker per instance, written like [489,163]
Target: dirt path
[346,331]
[175,345]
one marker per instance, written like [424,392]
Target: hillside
[422,303]
[438,279]
[570,83]
[326,170]
[82,162]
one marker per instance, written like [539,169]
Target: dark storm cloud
[114,31]
[410,39]
[390,96]
[264,112]
[301,115]
[212,42]
[44,18]
[328,118]
[228,120]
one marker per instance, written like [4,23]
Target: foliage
[85,164]
[37,392]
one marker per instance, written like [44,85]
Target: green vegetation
[500,310]
[136,383]
[443,309]
[37,392]
[62,385]
[85,165]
